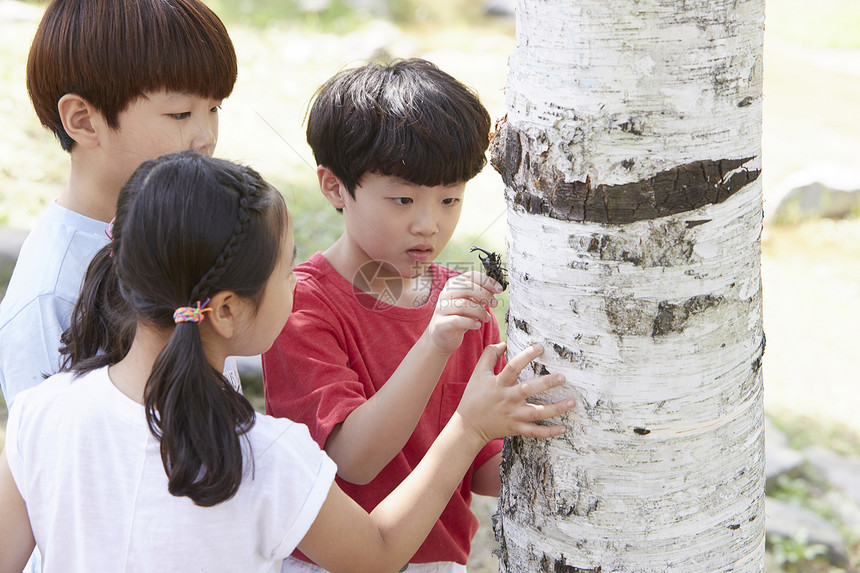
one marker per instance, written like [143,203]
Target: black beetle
[493,266]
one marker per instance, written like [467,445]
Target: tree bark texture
[631,154]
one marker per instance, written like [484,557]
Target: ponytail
[102,326]
[199,418]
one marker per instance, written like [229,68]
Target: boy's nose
[425,223]
[205,137]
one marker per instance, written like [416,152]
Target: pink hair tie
[190,313]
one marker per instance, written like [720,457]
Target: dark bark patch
[677,190]
[549,565]
[666,243]
[756,365]
[565,353]
[564,568]
[634,125]
[629,316]
[527,480]
[522,325]
[696,222]
[673,317]
[641,431]
[587,510]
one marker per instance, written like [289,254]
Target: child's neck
[130,374]
[89,194]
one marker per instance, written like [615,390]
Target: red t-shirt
[337,349]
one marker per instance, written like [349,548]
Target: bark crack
[677,190]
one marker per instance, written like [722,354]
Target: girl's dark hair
[408,119]
[102,325]
[187,227]
[112,51]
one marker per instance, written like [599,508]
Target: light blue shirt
[38,304]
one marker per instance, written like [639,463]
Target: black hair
[187,227]
[407,119]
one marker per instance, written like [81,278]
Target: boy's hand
[495,406]
[463,305]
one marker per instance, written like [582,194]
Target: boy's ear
[332,187]
[79,120]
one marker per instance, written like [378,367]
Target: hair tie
[190,313]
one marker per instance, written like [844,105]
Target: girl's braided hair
[187,227]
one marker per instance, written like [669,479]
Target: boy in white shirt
[117,83]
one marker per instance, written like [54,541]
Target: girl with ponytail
[141,456]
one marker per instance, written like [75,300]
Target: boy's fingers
[538,431]
[533,386]
[483,280]
[516,364]
[544,411]
[490,356]
[477,284]
[463,307]
[465,289]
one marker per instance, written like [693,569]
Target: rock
[818,192]
[10,245]
[846,509]
[504,8]
[779,457]
[792,522]
[841,472]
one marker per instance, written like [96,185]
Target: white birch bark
[631,154]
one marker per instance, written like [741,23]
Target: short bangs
[111,52]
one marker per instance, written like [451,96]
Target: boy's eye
[402,200]
[182,115]
[451,201]
[215,109]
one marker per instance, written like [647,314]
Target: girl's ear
[332,187]
[80,120]
[224,313]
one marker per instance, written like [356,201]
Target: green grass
[805,431]
[337,17]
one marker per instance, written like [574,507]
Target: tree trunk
[631,154]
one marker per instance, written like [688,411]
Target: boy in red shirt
[382,341]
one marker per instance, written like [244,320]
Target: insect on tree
[493,266]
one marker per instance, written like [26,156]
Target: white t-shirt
[90,471]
